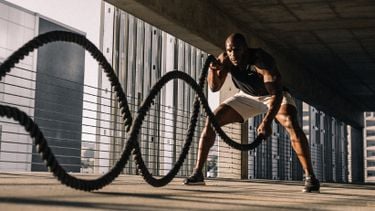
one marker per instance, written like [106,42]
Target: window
[370,173]
[370,123]
[371,163]
[370,143]
[370,133]
[370,153]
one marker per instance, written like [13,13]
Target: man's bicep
[269,75]
[264,60]
[273,88]
[272,81]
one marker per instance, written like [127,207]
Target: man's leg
[225,115]
[287,117]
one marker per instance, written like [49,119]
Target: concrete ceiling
[335,40]
[326,48]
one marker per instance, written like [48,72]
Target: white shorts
[249,106]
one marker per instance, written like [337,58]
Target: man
[255,74]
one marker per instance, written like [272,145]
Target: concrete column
[229,159]
[244,154]
[355,148]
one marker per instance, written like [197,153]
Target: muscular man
[255,74]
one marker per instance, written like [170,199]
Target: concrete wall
[17,26]
[140,54]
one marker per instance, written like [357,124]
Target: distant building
[47,85]
[369,147]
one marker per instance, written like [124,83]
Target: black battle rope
[132,143]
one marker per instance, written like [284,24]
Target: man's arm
[272,82]
[218,72]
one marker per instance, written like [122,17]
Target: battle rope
[132,143]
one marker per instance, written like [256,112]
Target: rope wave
[132,145]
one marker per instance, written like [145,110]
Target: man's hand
[218,72]
[222,63]
[265,129]
[216,65]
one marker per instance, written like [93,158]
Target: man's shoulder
[259,52]
[261,58]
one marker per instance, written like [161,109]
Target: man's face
[235,52]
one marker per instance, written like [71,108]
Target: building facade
[17,26]
[47,85]
[369,147]
[140,54]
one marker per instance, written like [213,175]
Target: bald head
[236,39]
[236,48]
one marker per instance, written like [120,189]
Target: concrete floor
[41,191]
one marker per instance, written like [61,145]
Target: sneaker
[195,179]
[312,184]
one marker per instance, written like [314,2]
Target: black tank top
[248,80]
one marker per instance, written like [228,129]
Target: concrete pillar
[355,157]
[244,154]
[229,159]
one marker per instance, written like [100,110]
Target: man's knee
[288,123]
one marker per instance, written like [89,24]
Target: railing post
[244,154]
